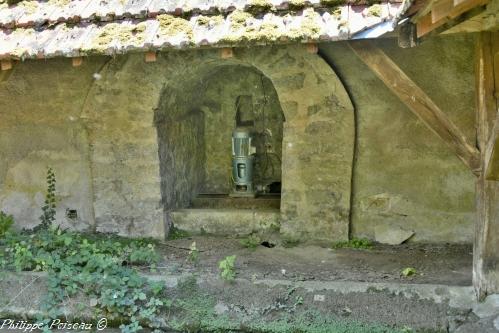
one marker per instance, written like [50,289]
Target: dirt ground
[447,264]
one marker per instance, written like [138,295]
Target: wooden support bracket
[150,56]
[418,102]
[7,67]
[77,61]
[443,12]
[226,53]
[6,64]
[312,48]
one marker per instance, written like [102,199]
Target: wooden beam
[312,48]
[6,69]
[226,53]
[492,154]
[4,75]
[5,64]
[441,9]
[77,61]
[418,102]
[150,56]
[486,243]
[447,14]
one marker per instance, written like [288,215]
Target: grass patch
[251,242]
[176,233]
[354,243]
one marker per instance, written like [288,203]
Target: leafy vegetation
[96,267]
[251,242]
[176,233]
[193,253]
[354,243]
[48,215]
[227,268]
[6,221]
[409,271]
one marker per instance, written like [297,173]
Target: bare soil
[447,264]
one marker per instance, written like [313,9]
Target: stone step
[226,222]
[225,201]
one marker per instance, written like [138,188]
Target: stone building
[133,103]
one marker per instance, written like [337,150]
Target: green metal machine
[243,156]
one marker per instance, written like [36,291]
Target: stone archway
[317,147]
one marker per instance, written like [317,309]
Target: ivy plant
[48,209]
[102,269]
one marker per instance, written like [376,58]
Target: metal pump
[243,156]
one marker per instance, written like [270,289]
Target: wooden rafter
[418,102]
[442,14]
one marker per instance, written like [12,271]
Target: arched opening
[196,120]
[135,189]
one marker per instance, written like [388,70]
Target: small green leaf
[409,271]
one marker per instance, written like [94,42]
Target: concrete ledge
[227,222]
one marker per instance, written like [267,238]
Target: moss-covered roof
[51,28]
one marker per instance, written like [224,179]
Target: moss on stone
[333,3]
[375,10]
[297,4]
[336,12]
[259,6]
[170,25]
[309,28]
[59,3]
[238,19]
[268,31]
[242,32]
[29,6]
[209,20]
[9,2]
[130,35]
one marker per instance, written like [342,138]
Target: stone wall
[101,126]
[40,127]
[404,175]
[181,151]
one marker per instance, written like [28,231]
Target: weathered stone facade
[101,126]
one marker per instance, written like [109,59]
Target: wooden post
[486,243]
